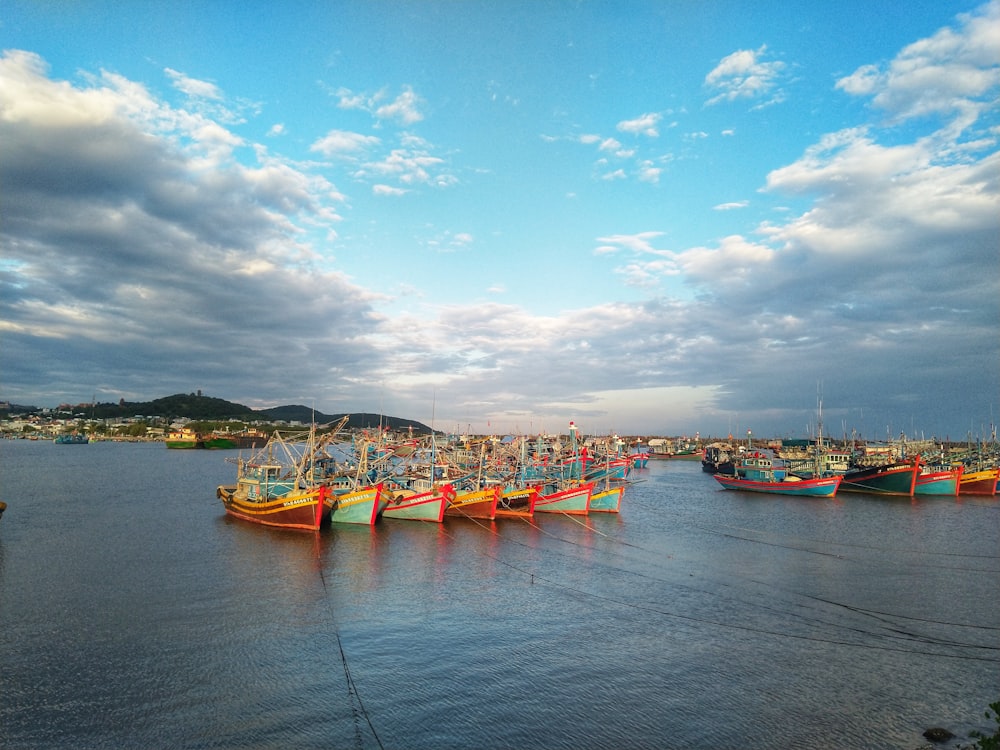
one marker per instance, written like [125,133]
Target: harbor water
[135,614]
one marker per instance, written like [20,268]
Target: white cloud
[404,109]
[208,99]
[744,75]
[637,243]
[380,189]
[649,173]
[408,167]
[643,125]
[337,142]
[955,71]
[192,86]
[140,220]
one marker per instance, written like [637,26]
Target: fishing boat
[979,482]
[758,472]
[614,468]
[938,480]
[639,459]
[276,487]
[573,500]
[71,438]
[183,439]
[475,504]
[517,502]
[298,509]
[429,505]
[362,506]
[233,440]
[186,439]
[895,478]
[607,500]
[716,459]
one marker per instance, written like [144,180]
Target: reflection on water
[134,613]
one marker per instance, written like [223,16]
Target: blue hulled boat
[759,472]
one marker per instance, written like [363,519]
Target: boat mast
[818,468]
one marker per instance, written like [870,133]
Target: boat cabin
[761,467]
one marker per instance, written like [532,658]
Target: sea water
[135,614]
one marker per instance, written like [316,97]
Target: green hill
[206,408]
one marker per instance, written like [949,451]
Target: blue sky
[646,217]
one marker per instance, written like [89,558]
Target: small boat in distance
[717,459]
[71,438]
[757,472]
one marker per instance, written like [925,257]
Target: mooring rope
[357,705]
[901,635]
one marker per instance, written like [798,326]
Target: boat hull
[820,487]
[303,510]
[419,506]
[884,480]
[574,501]
[517,503]
[607,501]
[938,482]
[360,507]
[475,504]
[982,482]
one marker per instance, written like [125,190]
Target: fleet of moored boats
[304,480]
[872,469]
[309,478]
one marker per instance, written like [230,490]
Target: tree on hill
[195,406]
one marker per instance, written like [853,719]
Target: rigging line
[894,633]
[892,630]
[764,631]
[686,516]
[352,687]
[801,618]
[902,633]
[867,546]
[874,612]
[589,527]
[887,623]
[771,544]
[839,557]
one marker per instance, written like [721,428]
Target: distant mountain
[198,407]
[306,415]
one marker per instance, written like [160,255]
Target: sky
[649,218]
